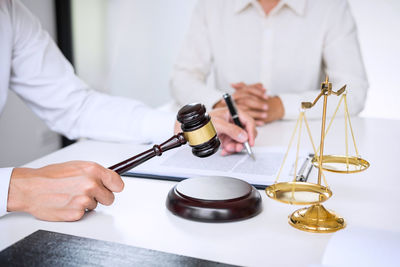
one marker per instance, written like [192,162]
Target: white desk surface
[139,217]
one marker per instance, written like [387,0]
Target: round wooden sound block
[214,199]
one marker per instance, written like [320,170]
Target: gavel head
[198,130]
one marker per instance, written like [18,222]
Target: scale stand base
[316,219]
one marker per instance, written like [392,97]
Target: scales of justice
[316,218]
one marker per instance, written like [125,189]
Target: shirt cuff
[291,105]
[157,126]
[5,176]
[212,98]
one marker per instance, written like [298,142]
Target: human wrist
[17,191]
[219,104]
[280,109]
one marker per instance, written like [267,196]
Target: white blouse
[289,51]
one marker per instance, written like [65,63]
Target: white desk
[139,216]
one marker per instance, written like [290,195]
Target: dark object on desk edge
[172,178]
[197,129]
[214,199]
[44,248]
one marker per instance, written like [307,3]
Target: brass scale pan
[342,164]
[304,193]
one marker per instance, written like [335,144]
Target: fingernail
[242,137]
[264,115]
[265,107]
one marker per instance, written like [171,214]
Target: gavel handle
[157,150]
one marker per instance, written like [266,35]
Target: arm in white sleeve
[343,63]
[190,72]
[45,80]
[5,175]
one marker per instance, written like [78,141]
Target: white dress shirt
[289,51]
[33,67]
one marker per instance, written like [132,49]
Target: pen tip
[253,157]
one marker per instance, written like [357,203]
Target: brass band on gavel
[201,135]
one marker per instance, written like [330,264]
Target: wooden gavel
[197,129]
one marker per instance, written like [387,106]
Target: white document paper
[182,163]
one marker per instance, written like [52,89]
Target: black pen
[232,109]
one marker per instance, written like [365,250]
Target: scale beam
[326,89]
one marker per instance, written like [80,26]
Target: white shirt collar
[241,5]
[298,6]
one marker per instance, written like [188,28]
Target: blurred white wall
[89,22]
[138,43]
[23,136]
[379,34]
[144,38]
